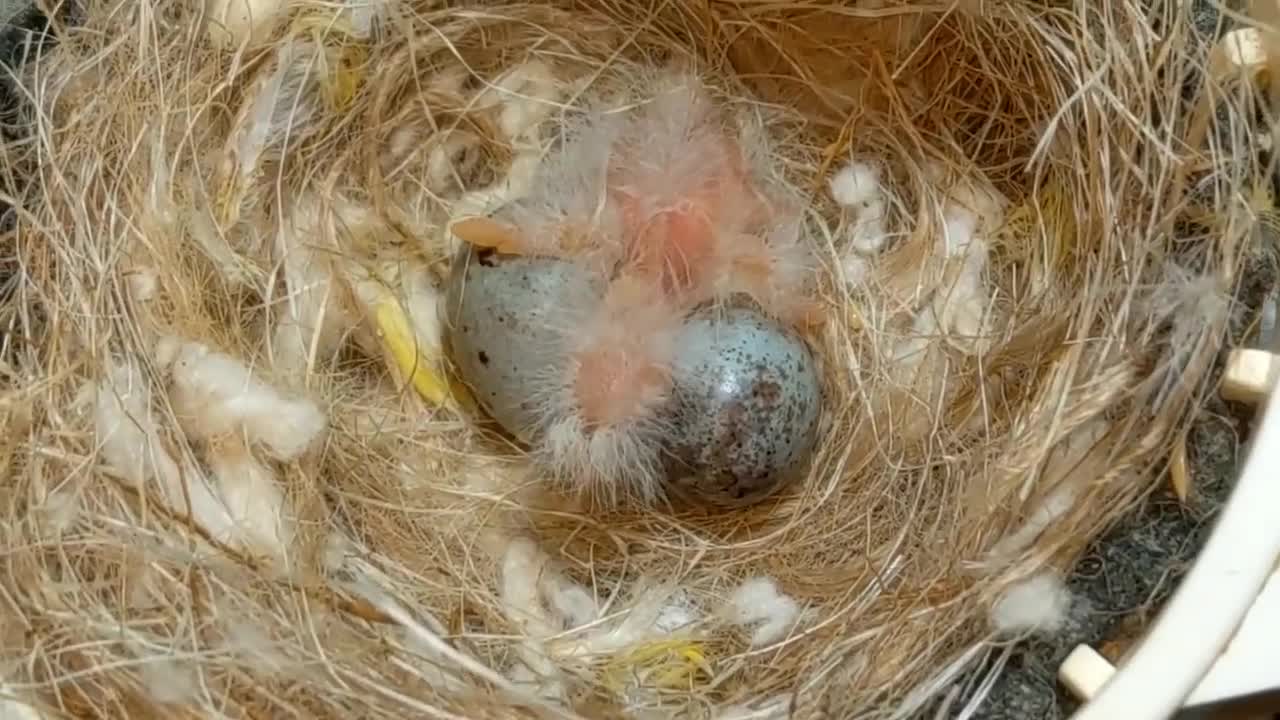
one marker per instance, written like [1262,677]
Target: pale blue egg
[507,321]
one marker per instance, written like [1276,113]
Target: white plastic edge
[1210,603]
[1251,662]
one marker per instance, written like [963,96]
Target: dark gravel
[1122,581]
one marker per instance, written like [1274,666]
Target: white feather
[13,708]
[523,567]
[777,707]
[655,612]
[127,434]
[235,22]
[424,305]
[168,681]
[316,314]
[256,130]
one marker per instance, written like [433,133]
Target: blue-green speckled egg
[749,399]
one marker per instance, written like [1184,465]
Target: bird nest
[242,480]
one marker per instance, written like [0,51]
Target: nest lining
[227,499]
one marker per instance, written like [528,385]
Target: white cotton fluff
[521,676]
[252,640]
[855,268]
[404,141]
[868,234]
[262,517]
[214,394]
[1194,304]
[143,284]
[857,187]
[167,681]
[963,302]
[964,306]
[757,602]
[1038,604]
[338,553]
[130,444]
[677,613]
[57,512]
[959,226]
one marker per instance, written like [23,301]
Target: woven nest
[237,484]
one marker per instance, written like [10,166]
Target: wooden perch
[1249,376]
[1084,672]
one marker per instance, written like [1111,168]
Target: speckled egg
[749,399]
[502,318]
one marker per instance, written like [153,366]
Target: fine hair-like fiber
[222,498]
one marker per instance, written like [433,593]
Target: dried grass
[1111,275]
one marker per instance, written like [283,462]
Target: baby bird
[635,319]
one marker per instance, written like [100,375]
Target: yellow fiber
[670,664]
[341,86]
[422,372]
[341,82]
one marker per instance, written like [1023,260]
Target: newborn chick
[652,279]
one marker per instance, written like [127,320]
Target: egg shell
[749,400]
[506,320]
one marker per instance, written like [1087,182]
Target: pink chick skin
[571,311]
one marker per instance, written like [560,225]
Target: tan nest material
[224,499]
